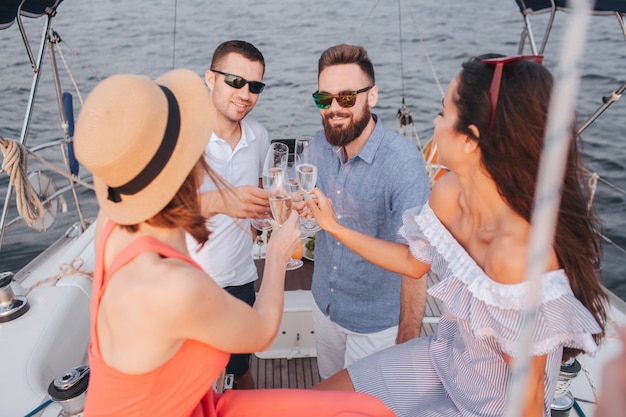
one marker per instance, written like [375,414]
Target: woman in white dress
[474,234]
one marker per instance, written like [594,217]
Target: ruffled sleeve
[412,232]
[496,310]
[493,309]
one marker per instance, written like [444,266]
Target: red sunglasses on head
[496,81]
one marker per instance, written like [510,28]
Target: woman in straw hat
[157,344]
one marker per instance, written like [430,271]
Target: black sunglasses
[235,81]
[344,98]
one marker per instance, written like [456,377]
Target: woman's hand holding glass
[322,209]
[285,239]
[281,203]
[273,175]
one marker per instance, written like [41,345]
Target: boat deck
[303,372]
[285,373]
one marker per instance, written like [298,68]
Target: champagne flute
[281,208]
[292,182]
[275,166]
[292,186]
[307,177]
[273,175]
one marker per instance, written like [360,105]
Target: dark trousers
[240,362]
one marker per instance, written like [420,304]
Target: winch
[70,390]
[563,399]
[11,306]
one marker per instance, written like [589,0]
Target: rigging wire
[401,50]
[174,35]
[83,63]
[424,50]
[593,187]
[405,120]
[70,75]
[367,18]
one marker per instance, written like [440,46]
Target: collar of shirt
[247,136]
[368,151]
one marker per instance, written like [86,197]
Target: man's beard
[341,136]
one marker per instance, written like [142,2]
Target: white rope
[592,385]
[67,68]
[73,268]
[593,187]
[15,163]
[547,195]
[594,390]
[562,387]
[611,185]
[85,65]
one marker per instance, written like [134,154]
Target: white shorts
[338,347]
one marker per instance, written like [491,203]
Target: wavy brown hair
[184,209]
[511,151]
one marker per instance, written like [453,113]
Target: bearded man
[372,175]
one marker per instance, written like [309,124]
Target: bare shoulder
[182,282]
[164,288]
[506,259]
[507,255]
[444,196]
[146,305]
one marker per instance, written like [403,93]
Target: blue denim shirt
[370,192]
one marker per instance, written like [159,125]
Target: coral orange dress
[183,386]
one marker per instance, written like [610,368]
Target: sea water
[416,46]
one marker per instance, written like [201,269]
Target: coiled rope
[16,165]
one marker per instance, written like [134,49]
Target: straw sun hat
[139,151]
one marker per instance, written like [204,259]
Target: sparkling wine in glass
[281,207]
[307,177]
[272,176]
[273,179]
[275,166]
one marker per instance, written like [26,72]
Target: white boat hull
[53,335]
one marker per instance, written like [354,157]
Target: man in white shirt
[236,152]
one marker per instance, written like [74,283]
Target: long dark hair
[511,148]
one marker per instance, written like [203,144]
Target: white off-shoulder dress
[459,370]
